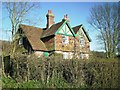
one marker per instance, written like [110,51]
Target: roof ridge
[78,25]
[51,31]
[31,26]
[33,35]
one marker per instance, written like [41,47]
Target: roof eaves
[55,29]
[86,33]
[46,36]
[60,27]
[65,21]
[76,28]
[71,29]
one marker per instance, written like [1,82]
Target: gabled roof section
[77,28]
[54,28]
[33,35]
[51,31]
[66,22]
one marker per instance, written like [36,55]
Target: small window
[21,41]
[81,55]
[65,55]
[65,39]
[82,42]
[20,31]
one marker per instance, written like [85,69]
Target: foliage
[6,48]
[53,72]
[96,55]
[11,83]
[8,82]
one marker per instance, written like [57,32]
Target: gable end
[65,29]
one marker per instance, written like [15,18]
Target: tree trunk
[3,73]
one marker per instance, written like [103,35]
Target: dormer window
[65,39]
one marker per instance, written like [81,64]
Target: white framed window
[81,55]
[65,55]
[82,42]
[65,39]
[21,41]
[71,55]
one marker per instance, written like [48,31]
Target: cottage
[56,38]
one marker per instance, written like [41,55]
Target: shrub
[54,72]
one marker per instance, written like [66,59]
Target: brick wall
[86,47]
[49,42]
[64,47]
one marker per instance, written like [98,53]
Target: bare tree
[17,11]
[104,18]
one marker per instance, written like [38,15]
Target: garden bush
[54,72]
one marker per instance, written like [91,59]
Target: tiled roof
[76,29]
[51,31]
[33,35]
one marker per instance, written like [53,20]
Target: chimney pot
[48,11]
[50,18]
[66,18]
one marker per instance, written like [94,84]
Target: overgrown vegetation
[28,71]
[53,72]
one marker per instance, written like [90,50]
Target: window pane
[65,39]
[82,42]
[65,55]
[82,55]
[21,41]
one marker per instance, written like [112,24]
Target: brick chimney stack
[50,19]
[66,18]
